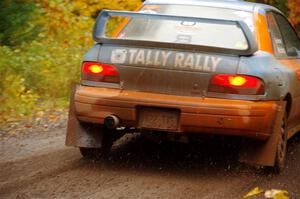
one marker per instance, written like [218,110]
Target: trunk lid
[185,73]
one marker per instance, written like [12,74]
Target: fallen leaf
[253,192]
[28,126]
[40,114]
[276,194]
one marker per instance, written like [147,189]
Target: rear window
[203,12]
[212,34]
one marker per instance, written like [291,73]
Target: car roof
[229,4]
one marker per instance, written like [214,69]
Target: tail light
[94,71]
[236,84]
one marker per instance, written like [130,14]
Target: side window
[277,40]
[290,38]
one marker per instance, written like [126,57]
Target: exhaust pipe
[111,122]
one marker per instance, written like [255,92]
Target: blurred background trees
[294,13]
[42,43]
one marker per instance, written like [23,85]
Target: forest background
[42,43]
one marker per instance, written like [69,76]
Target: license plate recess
[158,118]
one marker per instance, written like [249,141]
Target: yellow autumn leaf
[276,194]
[253,192]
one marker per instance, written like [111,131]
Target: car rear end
[179,69]
[176,69]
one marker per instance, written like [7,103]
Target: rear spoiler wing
[99,33]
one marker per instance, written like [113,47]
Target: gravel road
[38,165]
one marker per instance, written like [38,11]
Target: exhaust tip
[111,121]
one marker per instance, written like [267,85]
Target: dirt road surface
[40,166]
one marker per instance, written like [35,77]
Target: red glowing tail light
[94,71]
[236,84]
[99,69]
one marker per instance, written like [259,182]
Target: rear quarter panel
[285,70]
[292,68]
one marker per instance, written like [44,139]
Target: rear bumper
[197,115]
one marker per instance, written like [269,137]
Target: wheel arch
[288,99]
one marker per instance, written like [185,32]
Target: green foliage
[16,100]
[38,67]
[16,24]
[37,72]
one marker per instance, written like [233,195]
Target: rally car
[190,67]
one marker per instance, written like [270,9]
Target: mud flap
[263,153]
[79,134]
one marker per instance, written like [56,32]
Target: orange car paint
[262,34]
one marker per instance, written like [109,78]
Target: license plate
[161,119]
